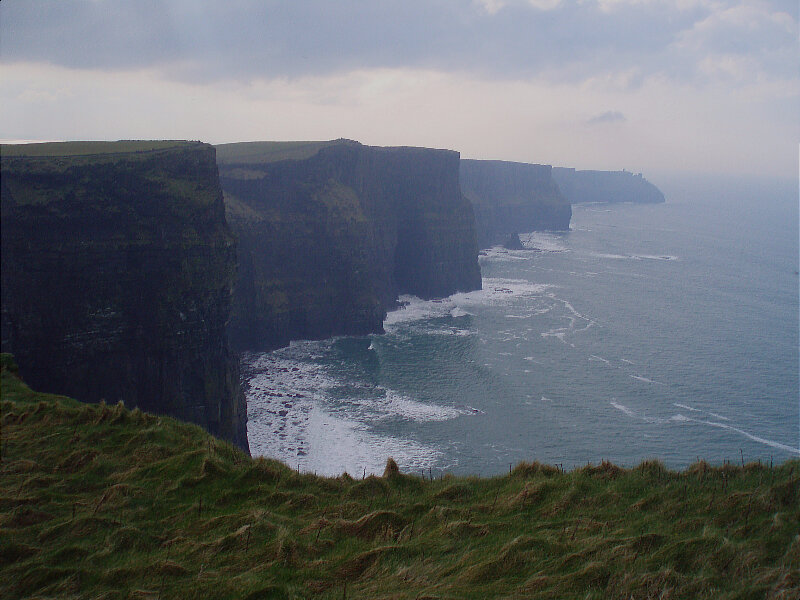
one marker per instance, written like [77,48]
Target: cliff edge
[606,186]
[117,268]
[332,232]
[511,197]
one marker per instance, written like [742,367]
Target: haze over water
[647,331]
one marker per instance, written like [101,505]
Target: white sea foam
[613,256]
[542,240]
[339,445]
[395,405]
[495,291]
[679,418]
[654,257]
[623,408]
[292,417]
[576,323]
[643,379]
[755,438]
[715,415]
[594,357]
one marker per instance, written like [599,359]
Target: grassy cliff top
[45,149]
[265,152]
[100,502]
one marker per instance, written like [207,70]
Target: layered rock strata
[117,269]
[332,232]
[511,198]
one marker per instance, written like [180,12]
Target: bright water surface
[666,331]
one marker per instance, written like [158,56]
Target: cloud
[610,116]
[204,40]
[697,83]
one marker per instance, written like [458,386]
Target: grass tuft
[100,502]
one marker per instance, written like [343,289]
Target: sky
[652,86]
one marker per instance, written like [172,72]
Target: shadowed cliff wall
[605,186]
[331,233]
[512,197]
[117,268]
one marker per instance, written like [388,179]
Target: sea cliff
[511,198]
[605,186]
[117,269]
[332,232]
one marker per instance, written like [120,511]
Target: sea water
[664,331]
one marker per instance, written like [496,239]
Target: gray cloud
[248,39]
[610,116]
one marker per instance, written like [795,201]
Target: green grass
[88,147]
[266,152]
[100,502]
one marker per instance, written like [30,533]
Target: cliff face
[117,268]
[511,197]
[605,186]
[331,233]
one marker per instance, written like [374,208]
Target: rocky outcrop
[605,186]
[512,198]
[332,232]
[117,269]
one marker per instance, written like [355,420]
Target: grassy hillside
[89,148]
[100,502]
[266,152]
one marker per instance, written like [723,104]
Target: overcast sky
[646,85]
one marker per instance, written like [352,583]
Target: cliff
[117,268]
[332,232]
[605,186]
[512,197]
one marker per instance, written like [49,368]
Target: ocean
[665,331]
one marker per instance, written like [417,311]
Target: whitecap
[755,438]
[398,405]
[543,241]
[655,257]
[623,408]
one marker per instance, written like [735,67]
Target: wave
[574,318]
[640,378]
[755,438]
[715,415]
[544,241]
[623,408]
[612,256]
[496,291]
[679,418]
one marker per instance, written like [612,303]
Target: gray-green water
[666,331]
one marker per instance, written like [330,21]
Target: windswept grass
[265,152]
[98,501]
[89,147]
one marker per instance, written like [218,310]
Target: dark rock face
[331,234]
[511,197]
[117,269]
[605,186]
